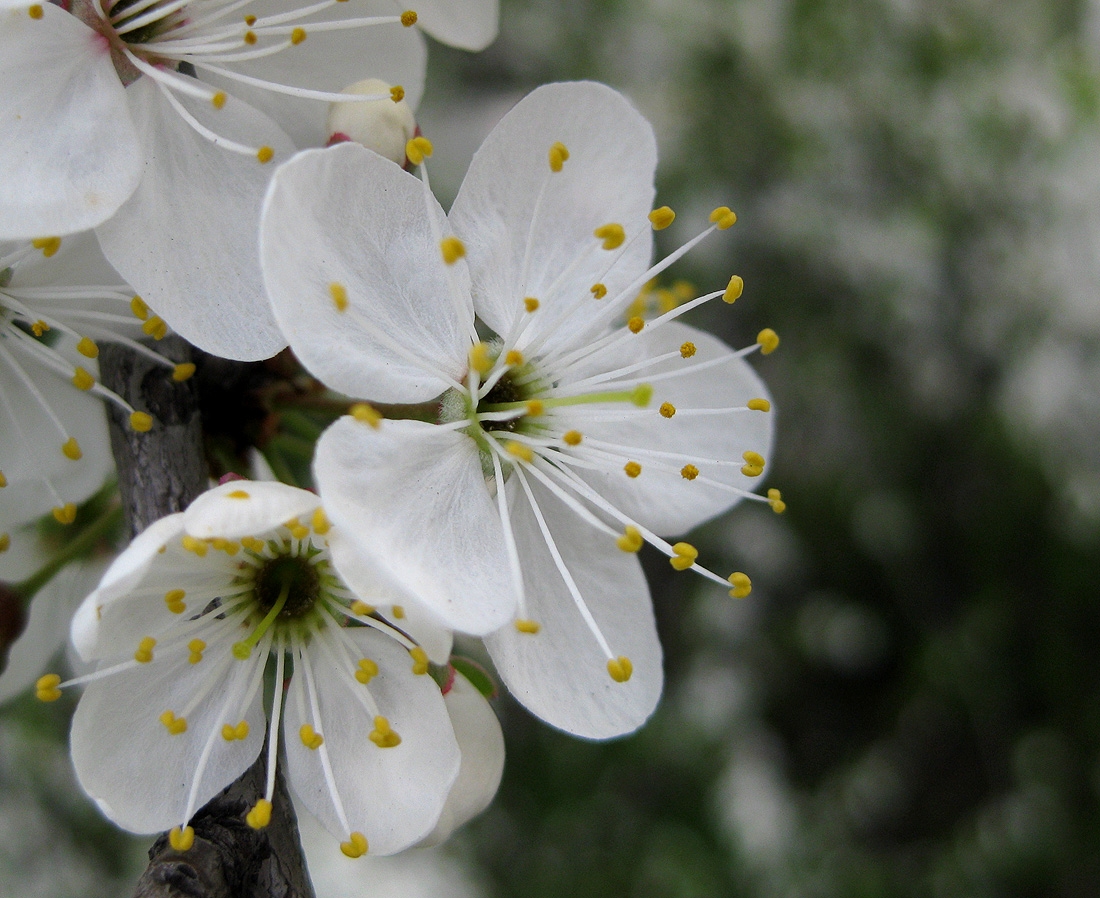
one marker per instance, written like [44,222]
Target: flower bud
[383,125]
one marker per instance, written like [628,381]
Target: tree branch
[160,472]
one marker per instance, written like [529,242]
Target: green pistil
[639,396]
[243,649]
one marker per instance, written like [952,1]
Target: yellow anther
[174,725]
[39,328]
[196,647]
[598,290]
[775,500]
[35,11]
[356,846]
[514,358]
[641,395]
[252,544]
[408,19]
[632,468]
[297,36]
[524,625]
[250,38]
[299,531]
[218,100]
[689,472]
[139,308]
[194,545]
[239,494]
[661,218]
[684,556]
[311,739]
[87,348]
[418,149]
[382,735]
[480,359]
[611,234]
[265,155]
[182,372]
[768,340]
[82,380]
[741,584]
[250,20]
[452,249]
[141,422]
[620,669]
[558,155]
[48,245]
[260,815]
[361,608]
[635,324]
[667,409]
[71,449]
[520,451]
[238,732]
[155,327]
[397,93]
[572,437]
[3,480]
[367,414]
[320,522]
[631,540]
[666,301]
[339,294]
[46,688]
[723,217]
[225,545]
[64,514]
[5,542]
[420,660]
[367,670]
[398,611]
[687,350]
[733,289]
[530,303]
[535,407]
[174,600]
[759,405]
[144,653]
[181,839]
[754,464]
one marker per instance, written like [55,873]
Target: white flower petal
[560,673]
[186,239]
[664,501]
[246,508]
[481,743]
[371,584]
[328,61]
[608,178]
[392,795]
[413,497]
[68,149]
[345,219]
[468,24]
[30,441]
[43,634]
[140,774]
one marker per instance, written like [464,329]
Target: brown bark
[160,472]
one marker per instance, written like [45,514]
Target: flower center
[291,579]
[504,391]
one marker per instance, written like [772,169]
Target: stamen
[768,340]
[741,584]
[181,839]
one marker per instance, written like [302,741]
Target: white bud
[380,125]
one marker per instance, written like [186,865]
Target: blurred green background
[908,704]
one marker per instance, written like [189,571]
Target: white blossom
[562,440]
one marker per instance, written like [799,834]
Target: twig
[160,472]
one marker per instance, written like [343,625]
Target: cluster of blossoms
[518,429]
